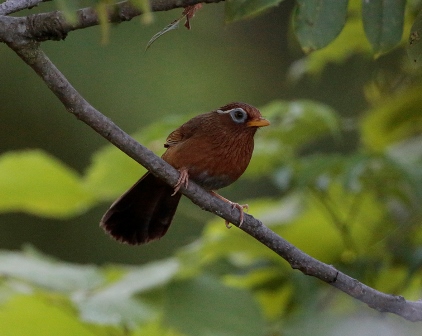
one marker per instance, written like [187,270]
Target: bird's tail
[143,213]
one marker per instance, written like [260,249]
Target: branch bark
[27,46]
[54,26]
[13,6]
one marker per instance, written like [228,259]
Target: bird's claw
[183,180]
[238,206]
[241,208]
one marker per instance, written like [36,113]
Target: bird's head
[241,114]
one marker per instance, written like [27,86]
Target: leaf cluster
[316,23]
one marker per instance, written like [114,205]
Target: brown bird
[212,149]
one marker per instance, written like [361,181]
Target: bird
[212,149]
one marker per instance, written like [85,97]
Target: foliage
[35,182]
[226,283]
[358,209]
[317,23]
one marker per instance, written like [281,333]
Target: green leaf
[36,315]
[33,181]
[371,172]
[318,22]
[383,23]
[351,40]
[111,172]
[43,272]
[361,214]
[242,9]
[296,123]
[110,309]
[293,124]
[116,304]
[396,119]
[204,306]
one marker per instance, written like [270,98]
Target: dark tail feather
[143,213]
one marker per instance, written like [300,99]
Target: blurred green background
[184,72]
[338,173]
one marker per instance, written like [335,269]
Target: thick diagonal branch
[77,105]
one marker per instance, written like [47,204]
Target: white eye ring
[238,114]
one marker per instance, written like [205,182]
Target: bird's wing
[174,138]
[183,132]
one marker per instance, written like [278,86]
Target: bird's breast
[212,162]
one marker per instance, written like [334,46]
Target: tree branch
[30,52]
[13,6]
[54,26]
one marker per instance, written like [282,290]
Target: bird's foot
[183,180]
[240,207]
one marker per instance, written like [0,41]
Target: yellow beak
[261,122]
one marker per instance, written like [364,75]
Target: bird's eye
[238,115]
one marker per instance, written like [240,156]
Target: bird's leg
[240,207]
[183,180]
